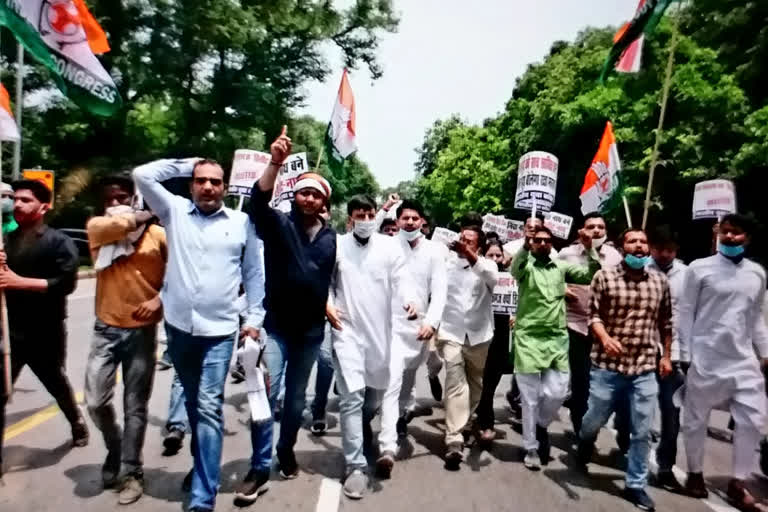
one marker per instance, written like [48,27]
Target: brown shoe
[695,487]
[740,497]
[384,465]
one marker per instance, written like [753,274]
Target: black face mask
[501,266]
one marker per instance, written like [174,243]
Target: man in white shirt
[410,345]
[577,299]
[369,280]
[465,333]
[724,336]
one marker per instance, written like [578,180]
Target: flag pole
[5,343]
[319,158]
[19,101]
[626,210]
[660,128]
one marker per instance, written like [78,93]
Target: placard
[504,301]
[536,181]
[507,229]
[293,167]
[445,236]
[714,198]
[559,224]
[247,166]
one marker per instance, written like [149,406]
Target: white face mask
[7,205]
[410,236]
[598,242]
[364,228]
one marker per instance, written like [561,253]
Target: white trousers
[745,397]
[541,396]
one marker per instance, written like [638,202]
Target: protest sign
[504,301]
[507,229]
[293,167]
[559,224]
[536,181]
[445,236]
[247,166]
[714,198]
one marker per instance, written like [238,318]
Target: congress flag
[602,180]
[340,138]
[8,129]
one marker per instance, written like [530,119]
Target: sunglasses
[216,182]
[539,240]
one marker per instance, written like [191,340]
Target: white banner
[559,224]
[536,181]
[714,198]
[507,229]
[293,167]
[504,300]
[445,236]
[247,166]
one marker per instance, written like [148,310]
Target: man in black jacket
[299,257]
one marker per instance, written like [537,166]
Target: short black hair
[211,161]
[592,215]
[544,229]
[40,191]
[410,204]
[491,235]
[360,202]
[117,180]
[471,219]
[480,235]
[663,236]
[623,236]
[387,222]
[738,220]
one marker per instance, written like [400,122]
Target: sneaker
[384,464]
[173,442]
[666,480]
[740,497]
[695,487]
[542,436]
[639,498]
[186,484]
[254,485]
[80,434]
[355,485]
[532,460]
[111,469]
[132,488]
[454,455]
[436,388]
[318,428]
[289,469]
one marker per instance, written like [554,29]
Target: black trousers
[500,361]
[579,348]
[45,352]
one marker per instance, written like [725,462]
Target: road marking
[330,494]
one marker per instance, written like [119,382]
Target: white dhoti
[541,395]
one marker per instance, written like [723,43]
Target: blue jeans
[607,390]
[324,378]
[202,363]
[290,359]
[356,410]
[177,413]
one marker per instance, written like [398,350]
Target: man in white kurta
[410,344]
[370,275]
[721,330]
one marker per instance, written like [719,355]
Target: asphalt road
[43,473]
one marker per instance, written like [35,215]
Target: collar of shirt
[192,208]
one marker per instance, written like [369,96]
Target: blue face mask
[730,251]
[634,262]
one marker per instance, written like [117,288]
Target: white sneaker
[532,460]
[355,485]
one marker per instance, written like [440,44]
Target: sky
[450,56]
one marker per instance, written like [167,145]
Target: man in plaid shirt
[629,303]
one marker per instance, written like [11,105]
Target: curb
[86,274]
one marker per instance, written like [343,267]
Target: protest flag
[63,35]
[340,138]
[602,181]
[8,129]
[647,17]
[630,60]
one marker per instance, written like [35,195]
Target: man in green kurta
[541,336]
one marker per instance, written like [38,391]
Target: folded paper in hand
[250,357]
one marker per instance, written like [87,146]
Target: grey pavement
[44,474]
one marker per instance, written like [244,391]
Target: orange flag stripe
[5,100]
[603,155]
[97,39]
[347,99]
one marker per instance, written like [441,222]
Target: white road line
[330,494]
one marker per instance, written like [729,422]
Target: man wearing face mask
[541,338]
[9,223]
[630,311]
[577,313]
[38,269]
[212,250]
[410,345]
[371,284]
[724,336]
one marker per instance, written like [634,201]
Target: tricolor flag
[647,17]
[340,139]
[63,35]
[602,179]
[629,62]
[8,129]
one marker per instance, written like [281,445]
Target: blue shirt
[209,256]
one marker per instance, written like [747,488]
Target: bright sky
[451,56]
